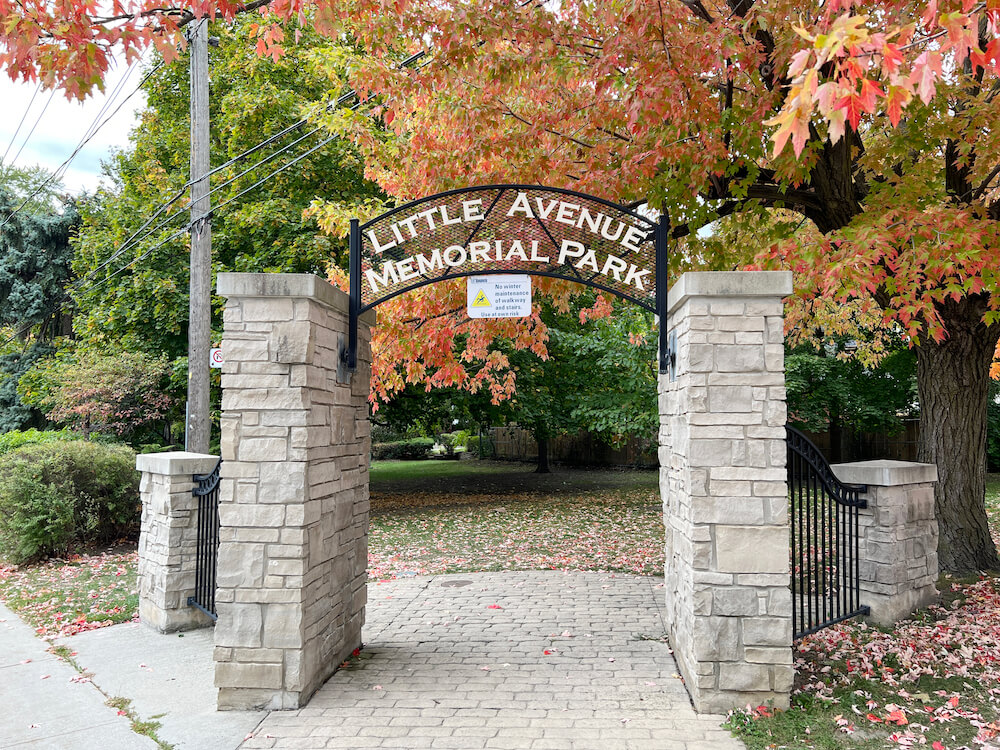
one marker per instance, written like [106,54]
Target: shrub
[473,443]
[403,450]
[16,438]
[112,394]
[56,494]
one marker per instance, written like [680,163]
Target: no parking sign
[215,358]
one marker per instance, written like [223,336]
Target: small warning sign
[499,296]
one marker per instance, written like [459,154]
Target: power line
[32,131]
[108,101]
[275,172]
[180,232]
[23,118]
[342,99]
[88,136]
[128,244]
[135,239]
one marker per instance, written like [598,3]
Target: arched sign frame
[383,250]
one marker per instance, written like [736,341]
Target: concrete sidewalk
[169,678]
[47,704]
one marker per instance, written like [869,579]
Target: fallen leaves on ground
[67,596]
[620,531]
[930,681]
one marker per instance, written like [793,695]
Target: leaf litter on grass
[432,534]
[931,681]
[65,596]
[411,534]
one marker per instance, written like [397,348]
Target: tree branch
[699,10]
[985,184]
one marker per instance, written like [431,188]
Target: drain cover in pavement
[455,584]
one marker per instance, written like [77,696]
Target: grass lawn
[495,478]
[933,681]
[83,592]
[459,516]
[385,473]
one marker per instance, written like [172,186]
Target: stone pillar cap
[729,284]
[175,462]
[295,285]
[885,473]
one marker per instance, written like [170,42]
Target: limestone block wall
[724,489]
[294,492]
[898,536]
[168,539]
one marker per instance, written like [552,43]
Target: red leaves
[960,641]
[494,606]
[763,711]
[896,716]
[853,51]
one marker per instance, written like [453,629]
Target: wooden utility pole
[199,423]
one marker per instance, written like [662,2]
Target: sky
[64,123]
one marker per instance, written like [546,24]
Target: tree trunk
[836,439]
[543,454]
[953,383]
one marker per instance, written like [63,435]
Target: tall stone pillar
[724,489]
[294,494]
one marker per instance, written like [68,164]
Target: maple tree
[114,394]
[876,121]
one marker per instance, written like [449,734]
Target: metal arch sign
[504,229]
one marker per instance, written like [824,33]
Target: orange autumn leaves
[855,62]
[425,337]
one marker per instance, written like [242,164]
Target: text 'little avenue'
[575,254]
[564,212]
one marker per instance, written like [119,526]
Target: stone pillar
[724,489]
[168,539]
[294,496]
[898,536]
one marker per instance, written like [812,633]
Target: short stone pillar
[898,536]
[168,539]
[294,494]
[724,488]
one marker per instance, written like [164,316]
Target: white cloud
[64,124]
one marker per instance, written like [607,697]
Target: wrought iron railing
[207,551]
[825,540]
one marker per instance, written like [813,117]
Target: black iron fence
[825,540]
[207,491]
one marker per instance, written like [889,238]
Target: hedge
[54,495]
[403,450]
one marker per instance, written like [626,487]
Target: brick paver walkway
[539,660]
